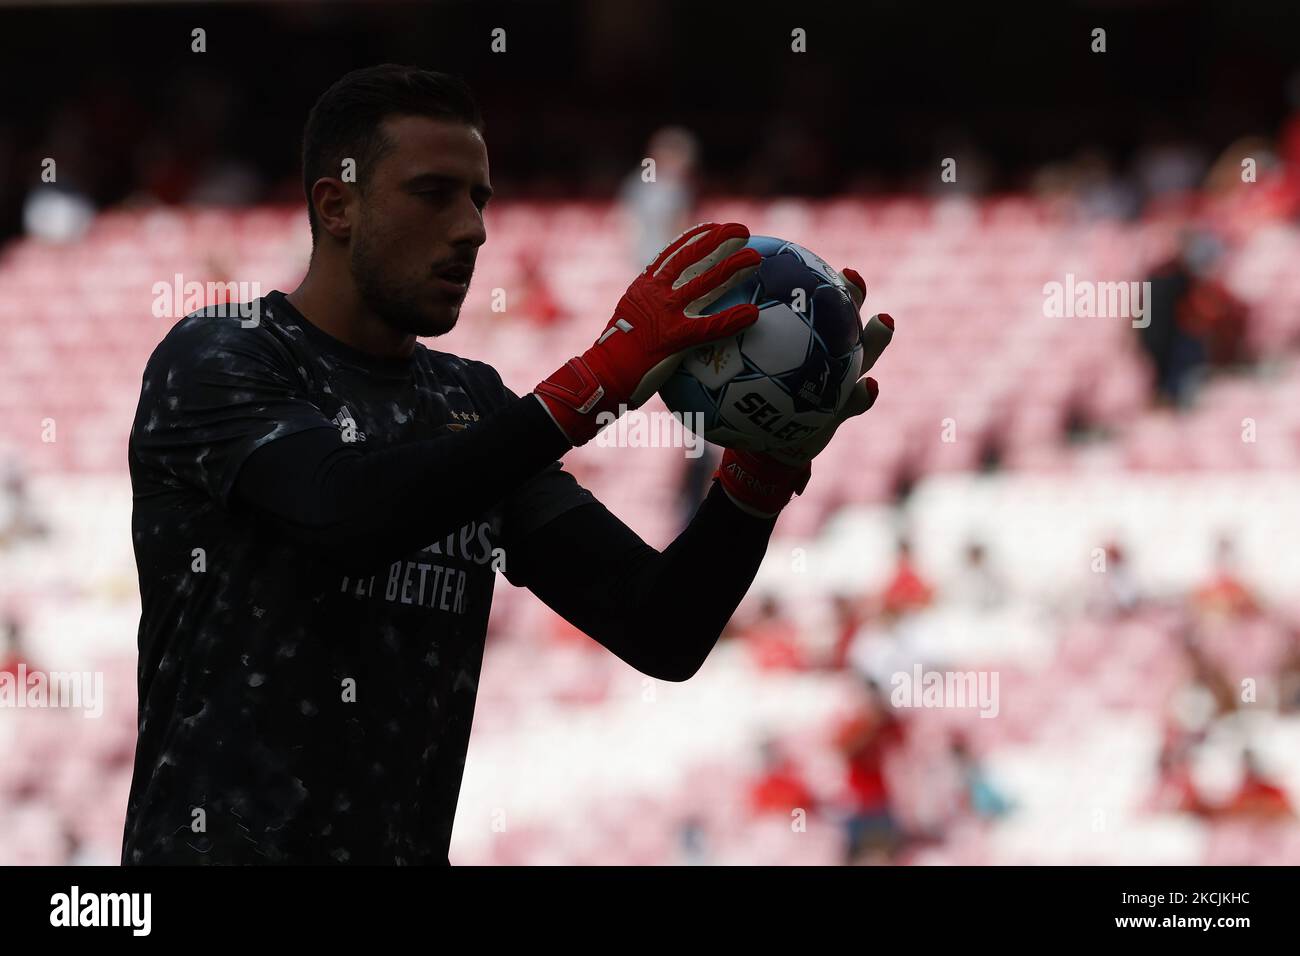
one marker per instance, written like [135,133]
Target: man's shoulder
[218,333]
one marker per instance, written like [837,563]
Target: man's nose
[469,228]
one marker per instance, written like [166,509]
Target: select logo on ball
[769,420]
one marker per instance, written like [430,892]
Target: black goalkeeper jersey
[290,711]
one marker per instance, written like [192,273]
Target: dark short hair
[345,122]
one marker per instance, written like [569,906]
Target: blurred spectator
[692,839]
[1195,322]
[1239,206]
[979,794]
[979,587]
[1169,164]
[18,517]
[1207,693]
[1257,797]
[906,590]
[535,300]
[866,740]
[55,214]
[11,649]
[226,181]
[1175,353]
[1289,676]
[1225,594]
[1099,191]
[848,619]
[1216,316]
[1115,590]
[780,787]
[659,209]
[1175,790]
[773,639]
[59,207]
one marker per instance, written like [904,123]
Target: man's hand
[763,483]
[658,319]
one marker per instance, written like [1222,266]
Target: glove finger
[702,252]
[857,286]
[876,335]
[861,397]
[713,328]
[702,291]
[690,235]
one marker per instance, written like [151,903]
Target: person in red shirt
[773,639]
[906,590]
[537,302]
[1176,790]
[867,739]
[1225,593]
[11,650]
[780,788]
[848,618]
[1257,797]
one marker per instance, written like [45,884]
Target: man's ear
[331,199]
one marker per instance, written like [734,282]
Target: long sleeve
[660,612]
[364,508]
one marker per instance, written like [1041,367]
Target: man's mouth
[454,279]
[458,274]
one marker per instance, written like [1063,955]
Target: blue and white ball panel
[815,385]
[778,342]
[684,394]
[818,264]
[783,275]
[715,364]
[766,245]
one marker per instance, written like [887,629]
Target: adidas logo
[348,426]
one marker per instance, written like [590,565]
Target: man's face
[421,223]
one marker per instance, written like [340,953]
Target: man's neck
[340,313]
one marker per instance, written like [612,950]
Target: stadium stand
[1035,435]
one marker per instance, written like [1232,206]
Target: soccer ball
[783,377]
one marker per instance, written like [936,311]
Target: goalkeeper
[321,504]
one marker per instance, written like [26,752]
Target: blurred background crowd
[1095,516]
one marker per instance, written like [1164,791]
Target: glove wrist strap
[575,398]
[759,485]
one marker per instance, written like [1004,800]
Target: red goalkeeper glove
[659,317]
[762,483]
